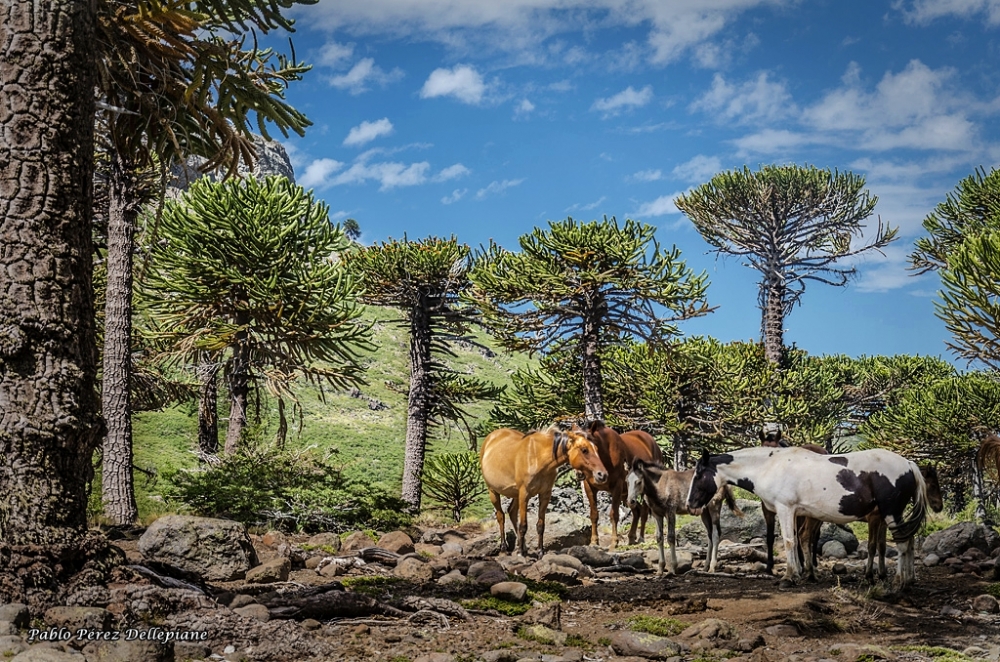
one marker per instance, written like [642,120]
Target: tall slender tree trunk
[49,426]
[979,493]
[773,316]
[593,401]
[117,486]
[208,406]
[416,406]
[239,391]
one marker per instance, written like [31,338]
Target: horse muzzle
[600,477]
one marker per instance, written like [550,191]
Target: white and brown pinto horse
[520,466]
[844,488]
[665,492]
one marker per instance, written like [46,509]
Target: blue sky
[485,118]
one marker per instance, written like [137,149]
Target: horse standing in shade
[616,452]
[520,466]
[665,492]
[832,488]
[640,445]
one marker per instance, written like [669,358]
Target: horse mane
[559,441]
[989,453]
[908,528]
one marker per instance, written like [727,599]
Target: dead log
[323,603]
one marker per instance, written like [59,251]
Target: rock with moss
[213,549]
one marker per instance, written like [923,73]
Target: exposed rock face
[272,159]
[960,538]
[841,534]
[214,549]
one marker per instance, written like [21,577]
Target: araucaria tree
[791,223]
[248,270]
[586,285]
[424,280]
[48,409]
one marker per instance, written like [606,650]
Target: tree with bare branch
[791,223]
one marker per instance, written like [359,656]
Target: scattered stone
[561,530]
[782,630]
[543,634]
[241,600]
[712,629]
[313,562]
[74,618]
[214,549]
[255,612]
[325,542]
[40,654]
[830,531]
[15,613]
[356,541]
[548,614]
[511,591]
[453,577]
[274,538]
[765,655]
[435,657]
[932,560]
[311,624]
[270,572]
[834,549]
[985,603]
[595,557]
[975,651]
[451,549]
[643,644]
[487,573]
[959,538]
[750,644]
[839,569]
[501,655]
[7,629]
[11,646]
[190,650]
[950,612]
[414,569]
[547,571]
[396,541]
[124,650]
[332,570]
[361,629]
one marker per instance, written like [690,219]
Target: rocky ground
[444,595]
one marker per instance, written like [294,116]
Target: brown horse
[617,454]
[520,466]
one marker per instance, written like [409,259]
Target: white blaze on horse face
[634,482]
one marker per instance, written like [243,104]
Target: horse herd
[800,487]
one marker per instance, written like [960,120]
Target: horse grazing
[831,488]
[640,445]
[665,492]
[616,452]
[520,466]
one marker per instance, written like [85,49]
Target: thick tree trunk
[417,404]
[208,406]
[979,493]
[593,401]
[773,317]
[48,402]
[117,486]
[239,390]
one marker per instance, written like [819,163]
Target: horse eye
[586,451]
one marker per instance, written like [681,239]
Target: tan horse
[520,466]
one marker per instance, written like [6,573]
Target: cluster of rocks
[966,547]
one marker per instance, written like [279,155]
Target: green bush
[264,484]
[454,480]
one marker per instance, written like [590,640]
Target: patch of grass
[327,549]
[552,588]
[577,641]
[938,653]
[835,652]
[604,641]
[373,585]
[994,589]
[662,627]
[505,607]
[399,658]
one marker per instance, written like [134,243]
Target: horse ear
[595,426]
[706,457]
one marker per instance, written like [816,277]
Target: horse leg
[873,537]
[522,521]
[769,536]
[634,525]
[807,533]
[543,505]
[591,493]
[498,507]
[713,537]
[658,520]
[672,540]
[644,517]
[786,518]
[616,498]
[907,572]
[883,529]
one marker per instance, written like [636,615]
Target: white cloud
[368,131]
[388,174]
[452,172]
[497,187]
[586,207]
[455,196]
[524,108]
[318,171]
[754,100]
[662,206]
[698,169]
[626,99]
[647,176]
[926,11]
[362,74]
[774,141]
[334,55]
[525,26]
[462,82]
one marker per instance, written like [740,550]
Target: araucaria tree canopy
[586,285]
[791,223]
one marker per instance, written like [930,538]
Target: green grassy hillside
[370,441]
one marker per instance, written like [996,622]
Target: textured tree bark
[773,323]
[593,401]
[117,485]
[208,407]
[48,402]
[416,407]
[239,390]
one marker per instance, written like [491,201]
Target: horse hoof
[786,584]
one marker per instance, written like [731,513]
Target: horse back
[639,444]
[510,459]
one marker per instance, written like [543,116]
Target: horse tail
[908,528]
[989,452]
[727,494]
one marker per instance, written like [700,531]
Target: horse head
[934,499]
[583,456]
[634,481]
[705,483]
